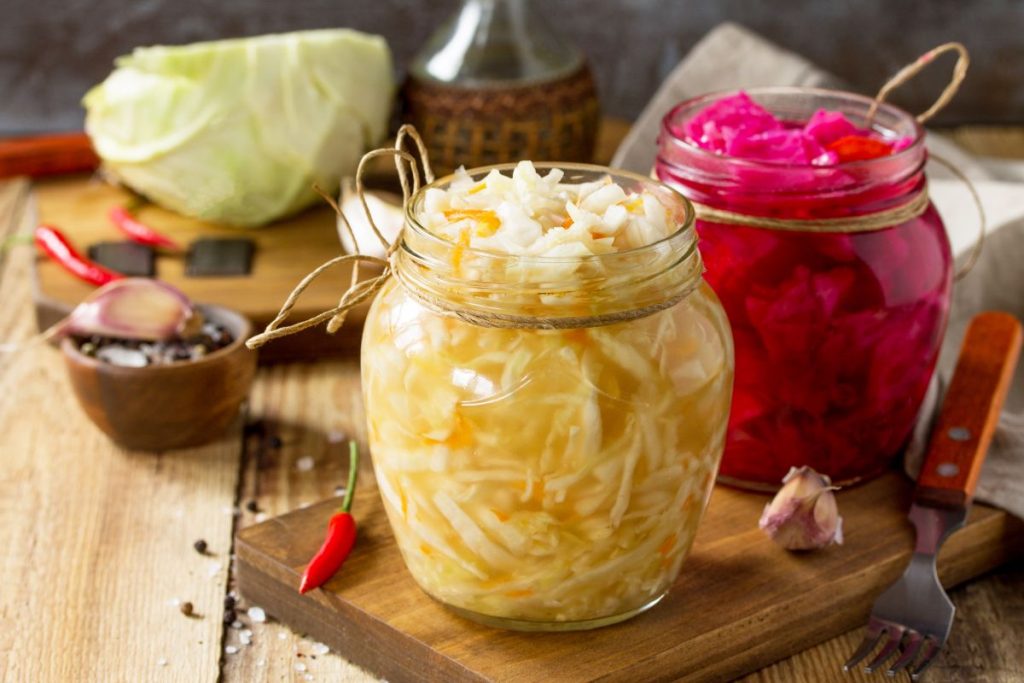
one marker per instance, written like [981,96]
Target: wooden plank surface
[81,604]
[711,626]
[97,542]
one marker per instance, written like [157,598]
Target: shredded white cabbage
[546,475]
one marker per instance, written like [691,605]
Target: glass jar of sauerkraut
[547,383]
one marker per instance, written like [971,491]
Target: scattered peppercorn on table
[105,550]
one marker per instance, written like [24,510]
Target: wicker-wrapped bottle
[495,84]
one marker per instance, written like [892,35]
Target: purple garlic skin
[803,515]
[131,308]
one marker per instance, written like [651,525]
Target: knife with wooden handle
[50,154]
[970,412]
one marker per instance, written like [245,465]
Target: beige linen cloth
[732,57]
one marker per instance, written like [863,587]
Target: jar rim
[686,226]
[695,104]
[501,289]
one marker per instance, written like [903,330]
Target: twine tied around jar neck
[908,210]
[686,268]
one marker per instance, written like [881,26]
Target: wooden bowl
[160,407]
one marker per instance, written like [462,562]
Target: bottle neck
[495,42]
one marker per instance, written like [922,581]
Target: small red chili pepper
[859,148]
[341,535]
[139,231]
[53,242]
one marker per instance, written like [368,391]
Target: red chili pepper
[54,243]
[139,231]
[341,535]
[859,148]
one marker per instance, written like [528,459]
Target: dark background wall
[51,51]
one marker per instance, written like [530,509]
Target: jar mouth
[513,290]
[856,107]
[685,227]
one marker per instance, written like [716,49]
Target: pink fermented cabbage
[737,126]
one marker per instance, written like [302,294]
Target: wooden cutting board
[285,253]
[741,602]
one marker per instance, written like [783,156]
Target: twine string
[979,244]
[910,70]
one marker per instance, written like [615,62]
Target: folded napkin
[731,57]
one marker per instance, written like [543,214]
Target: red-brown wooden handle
[970,413]
[51,154]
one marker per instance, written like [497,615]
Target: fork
[914,615]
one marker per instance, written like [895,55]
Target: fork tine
[873,633]
[911,647]
[933,646]
[895,636]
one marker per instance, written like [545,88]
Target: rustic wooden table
[98,542]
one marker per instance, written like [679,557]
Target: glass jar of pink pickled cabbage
[836,333]
[546,425]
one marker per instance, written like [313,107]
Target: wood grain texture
[97,541]
[970,410]
[312,409]
[710,627]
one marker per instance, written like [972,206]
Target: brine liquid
[836,339]
[546,476]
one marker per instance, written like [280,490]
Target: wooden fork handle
[970,412]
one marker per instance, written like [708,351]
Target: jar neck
[500,290]
[790,191]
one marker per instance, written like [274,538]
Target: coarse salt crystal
[308,677]
[281,635]
[213,569]
[260,517]
[305,463]
[300,667]
[231,649]
[245,639]
[161,662]
[320,649]
[236,624]
[261,662]
[334,436]
[257,614]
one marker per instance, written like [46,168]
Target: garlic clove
[804,514]
[131,308]
[387,212]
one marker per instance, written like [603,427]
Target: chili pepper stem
[353,472]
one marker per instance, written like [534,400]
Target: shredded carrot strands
[567,223]
[479,187]
[502,517]
[487,222]
[666,546]
[520,593]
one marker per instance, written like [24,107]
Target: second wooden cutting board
[741,602]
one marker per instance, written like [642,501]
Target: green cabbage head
[238,131]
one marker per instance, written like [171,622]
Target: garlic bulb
[387,214]
[130,308]
[803,515]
